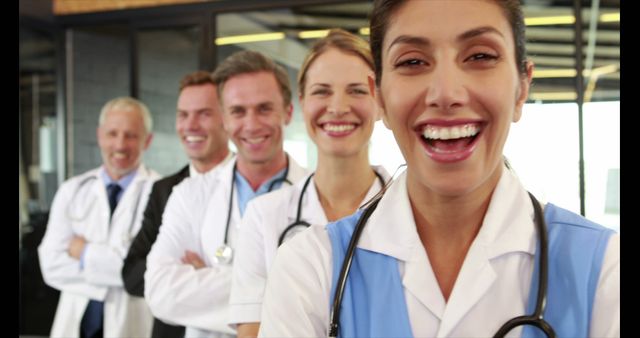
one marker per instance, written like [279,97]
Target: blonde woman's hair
[341,40]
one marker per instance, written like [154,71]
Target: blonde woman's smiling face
[339,109]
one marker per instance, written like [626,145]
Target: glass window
[99,72]
[543,149]
[602,162]
[38,152]
[165,55]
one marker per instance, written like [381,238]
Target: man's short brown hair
[247,61]
[196,78]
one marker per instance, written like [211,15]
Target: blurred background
[75,55]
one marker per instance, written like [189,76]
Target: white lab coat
[81,207]
[195,219]
[492,285]
[264,221]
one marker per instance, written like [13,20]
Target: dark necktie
[112,191]
[92,321]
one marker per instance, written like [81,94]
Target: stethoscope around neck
[536,319]
[224,253]
[300,224]
[127,236]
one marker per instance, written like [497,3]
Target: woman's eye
[482,57]
[358,91]
[410,63]
[320,92]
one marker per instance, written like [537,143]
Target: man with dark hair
[188,278]
[199,126]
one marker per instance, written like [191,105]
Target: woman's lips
[450,143]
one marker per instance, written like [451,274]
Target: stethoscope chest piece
[224,254]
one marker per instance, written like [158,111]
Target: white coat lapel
[391,230]
[125,221]
[296,172]
[475,278]
[97,222]
[213,222]
[497,236]
[312,211]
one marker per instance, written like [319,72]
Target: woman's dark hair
[384,9]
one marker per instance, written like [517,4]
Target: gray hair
[128,103]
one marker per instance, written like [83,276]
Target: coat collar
[311,201]
[507,227]
[192,172]
[312,211]
[224,171]
[221,178]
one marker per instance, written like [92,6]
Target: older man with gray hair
[93,218]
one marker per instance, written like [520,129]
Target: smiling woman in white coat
[339,112]
[456,246]
[84,245]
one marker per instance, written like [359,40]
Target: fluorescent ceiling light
[569,96]
[547,20]
[610,17]
[534,21]
[612,68]
[229,40]
[313,34]
[570,72]
[546,73]
[550,20]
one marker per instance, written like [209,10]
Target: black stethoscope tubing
[300,222]
[87,210]
[536,319]
[283,179]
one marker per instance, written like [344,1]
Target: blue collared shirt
[123,182]
[246,193]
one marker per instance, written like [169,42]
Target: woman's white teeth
[256,140]
[194,138]
[448,133]
[338,127]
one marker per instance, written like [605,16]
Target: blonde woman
[339,111]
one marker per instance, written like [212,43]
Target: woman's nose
[339,105]
[446,89]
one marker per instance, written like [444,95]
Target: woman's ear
[523,90]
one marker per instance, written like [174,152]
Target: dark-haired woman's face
[450,90]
